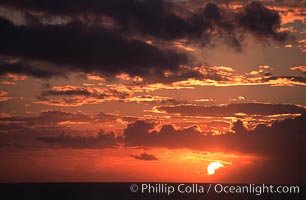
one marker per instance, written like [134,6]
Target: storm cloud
[160,18]
[261,21]
[86,43]
[85,48]
[23,68]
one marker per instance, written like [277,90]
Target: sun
[212,167]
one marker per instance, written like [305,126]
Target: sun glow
[212,167]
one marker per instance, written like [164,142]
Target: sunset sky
[153,90]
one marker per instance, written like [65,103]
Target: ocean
[109,191]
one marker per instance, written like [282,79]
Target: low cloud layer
[287,137]
[232,109]
[52,117]
[280,142]
[102,140]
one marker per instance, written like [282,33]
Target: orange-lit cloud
[151,99]
[291,14]
[302,45]
[11,79]
[77,96]
[4,96]
[95,78]
[299,68]
[16,77]
[182,46]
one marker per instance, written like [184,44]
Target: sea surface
[105,191]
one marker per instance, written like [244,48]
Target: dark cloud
[50,127]
[53,117]
[98,93]
[285,133]
[140,134]
[145,156]
[102,140]
[16,132]
[21,68]
[81,47]
[75,91]
[72,91]
[159,18]
[286,136]
[282,140]
[77,95]
[152,17]
[261,21]
[48,117]
[238,127]
[185,73]
[231,109]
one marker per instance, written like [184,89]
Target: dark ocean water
[105,191]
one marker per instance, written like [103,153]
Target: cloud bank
[110,37]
